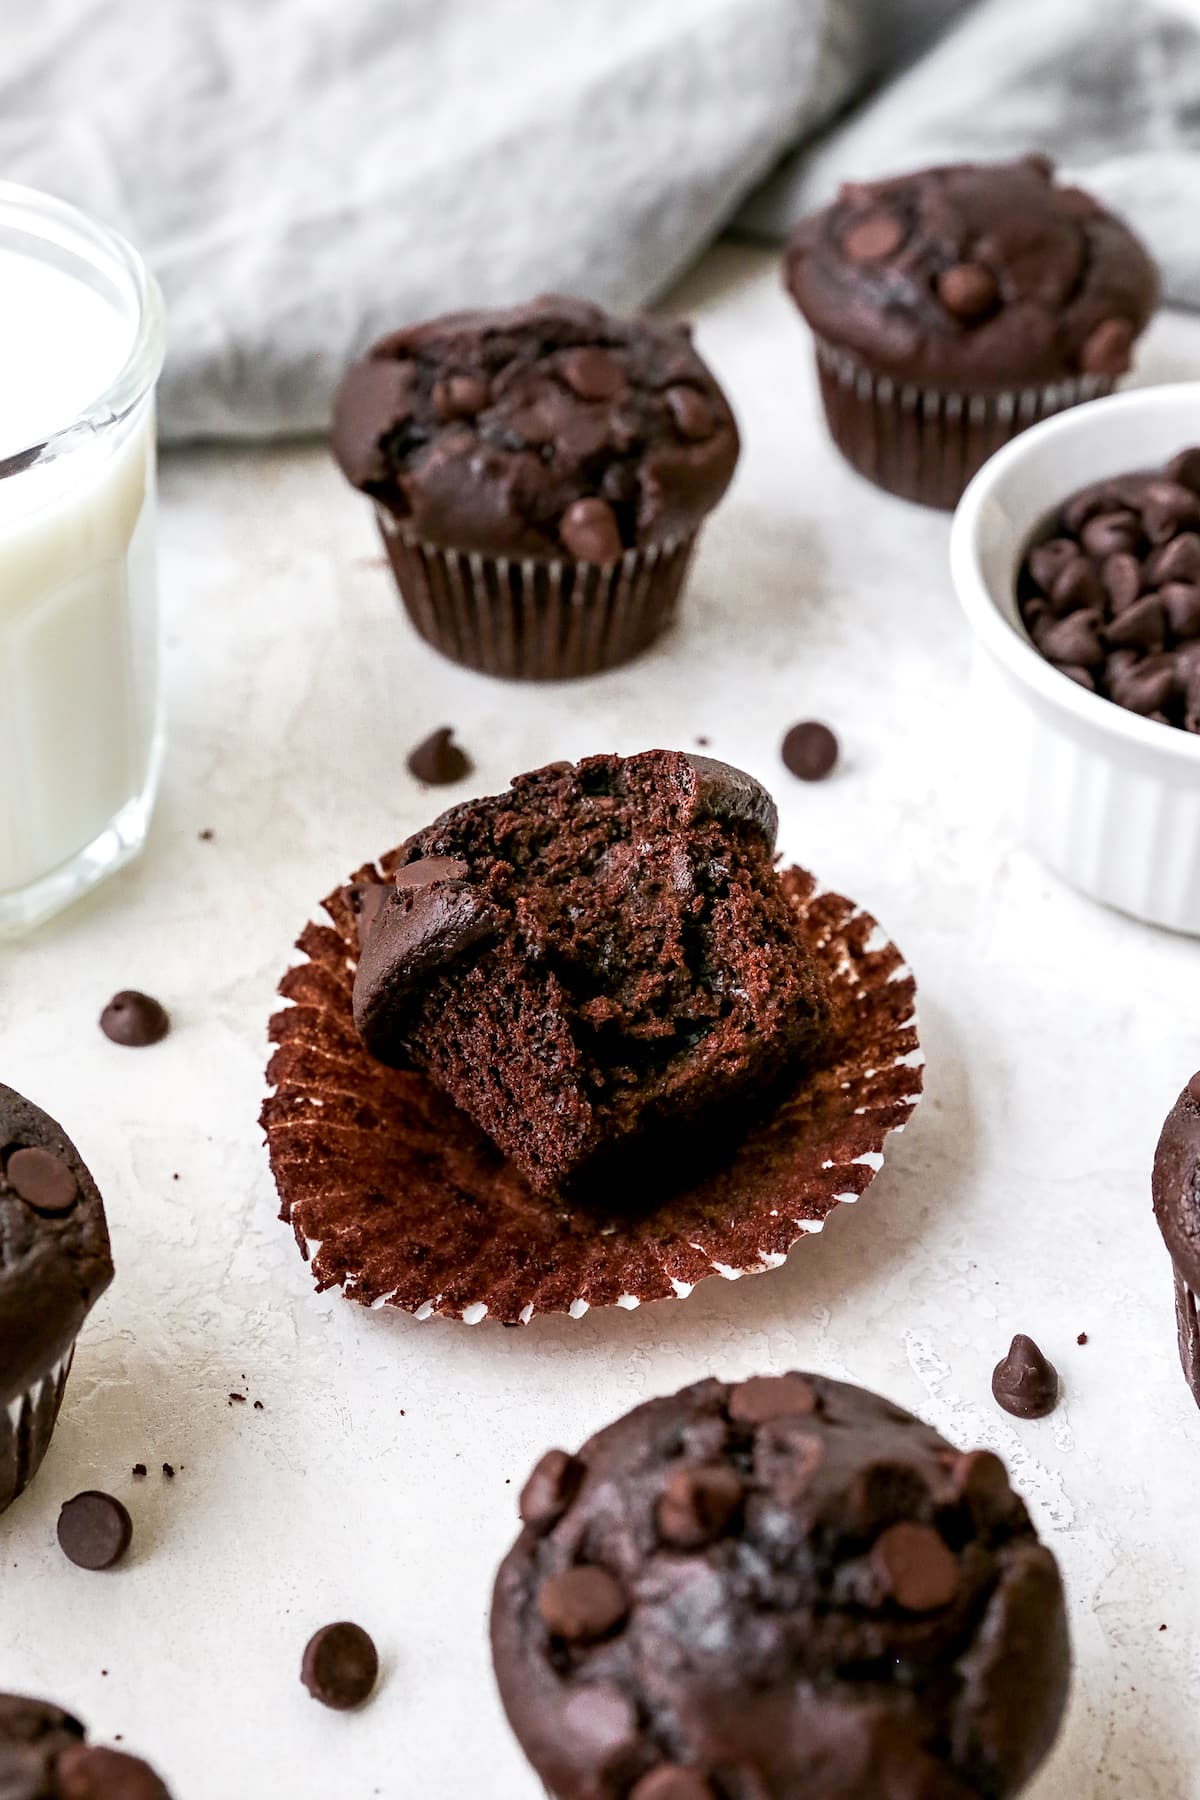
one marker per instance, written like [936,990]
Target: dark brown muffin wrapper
[924,444]
[26,1426]
[399,1199]
[534,619]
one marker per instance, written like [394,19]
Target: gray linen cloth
[305,174]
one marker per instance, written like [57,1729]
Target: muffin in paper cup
[1176,1191]
[540,475]
[54,1265]
[954,307]
[400,1200]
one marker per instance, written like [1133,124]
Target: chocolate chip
[367,900]
[589,531]
[873,237]
[967,290]
[1038,163]
[340,1665]
[1193,1088]
[671,1781]
[1047,561]
[1180,601]
[810,750]
[1075,639]
[1142,626]
[1108,349]
[1025,1383]
[980,1478]
[1081,677]
[94,1530]
[1076,584]
[550,1489]
[42,1180]
[437,760]
[134,1019]
[593,373]
[698,1505]
[1177,560]
[915,1567]
[582,1604]
[766,1397]
[1166,508]
[1142,687]
[460,397]
[94,1772]
[428,869]
[1121,577]
[1185,468]
[690,412]
[1108,532]
[600,1724]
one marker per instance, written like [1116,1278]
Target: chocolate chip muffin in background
[44,1756]
[1110,590]
[540,475]
[956,306]
[54,1265]
[1176,1190]
[602,957]
[778,1588]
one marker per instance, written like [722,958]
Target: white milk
[78,636]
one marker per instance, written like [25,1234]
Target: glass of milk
[81,346]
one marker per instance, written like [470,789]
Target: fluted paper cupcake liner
[26,1427]
[925,444]
[536,620]
[397,1197]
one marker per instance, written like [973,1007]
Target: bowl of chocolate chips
[1076,556]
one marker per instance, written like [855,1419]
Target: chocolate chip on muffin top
[974,277]
[550,430]
[782,1587]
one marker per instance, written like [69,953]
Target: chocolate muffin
[782,1587]
[600,958]
[1109,591]
[955,306]
[1176,1189]
[54,1265]
[44,1756]
[539,475]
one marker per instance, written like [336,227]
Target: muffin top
[550,430]
[787,1586]
[974,276]
[1176,1183]
[54,1254]
[43,1756]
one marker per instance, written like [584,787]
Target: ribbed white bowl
[1109,800]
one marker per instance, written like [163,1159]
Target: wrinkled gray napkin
[305,175]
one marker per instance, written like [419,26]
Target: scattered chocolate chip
[593,373]
[690,412]
[1108,349]
[582,1604]
[766,1397]
[138,1471]
[915,1566]
[134,1019]
[438,760]
[42,1180]
[671,1781]
[94,1530]
[550,1489]
[589,531]
[872,238]
[810,751]
[1025,1383]
[967,290]
[168,1471]
[1082,1338]
[697,1506]
[460,397]
[340,1665]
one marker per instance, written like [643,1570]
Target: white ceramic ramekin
[1107,799]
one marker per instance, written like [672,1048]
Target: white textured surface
[380,1481]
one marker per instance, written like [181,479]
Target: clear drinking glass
[81,730]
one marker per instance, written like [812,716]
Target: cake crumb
[1082,1338]
[259,1407]
[206,836]
[168,1471]
[237,1399]
[139,1470]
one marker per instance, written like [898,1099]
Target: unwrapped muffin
[955,306]
[602,957]
[780,1588]
[540,475]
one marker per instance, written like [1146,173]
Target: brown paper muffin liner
[1187,1319]
[26,1427]
[534,620]
[399,1199]
[924,444]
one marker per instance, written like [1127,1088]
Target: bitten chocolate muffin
[780,1588]
[540,475]
[54,1265]
[1176,1191]
[44,1756]
[1110,590]
[955,306]
[603,954]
